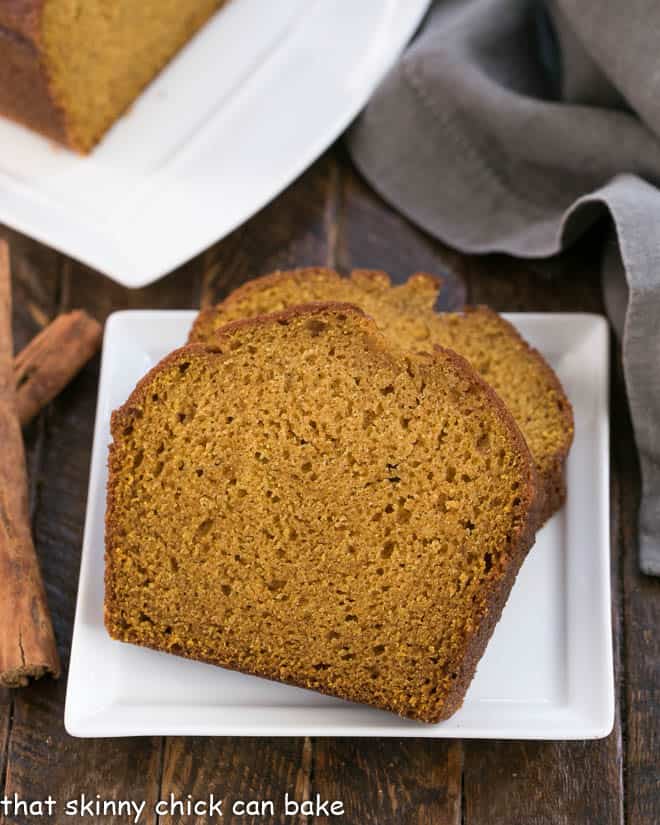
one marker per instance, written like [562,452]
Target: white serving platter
[253,99]
[547,672]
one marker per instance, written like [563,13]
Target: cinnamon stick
[52,359]
[27,642]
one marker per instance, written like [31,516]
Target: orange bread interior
[405,313]
[305,501]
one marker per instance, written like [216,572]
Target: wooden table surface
[329,216]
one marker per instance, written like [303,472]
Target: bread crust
[26,94]
[496,590]
[426,286]
[257,285]
[22,17]
[371,278]
[522,541]
[552,481]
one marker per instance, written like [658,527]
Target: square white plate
[547,672]
[261,91]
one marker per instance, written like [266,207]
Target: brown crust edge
[380,278]
[377,277]
[256,285]
[553,484]
[26,95]
[498,589]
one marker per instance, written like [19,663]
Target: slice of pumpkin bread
[517,372]
[303,501]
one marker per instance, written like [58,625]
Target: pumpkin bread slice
[517,372]
[304,501]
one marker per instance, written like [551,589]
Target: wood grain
[391,781]
[5,716]
[81,287]
[641,614]
[235,770]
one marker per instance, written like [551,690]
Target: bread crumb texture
[405,313]
[307,502]
[99,55]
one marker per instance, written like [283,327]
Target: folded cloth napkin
[512,126]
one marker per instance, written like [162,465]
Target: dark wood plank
[5,716]
[568,283]
[44,761]
[542,783]
[547,783]
[390,781]
[236,771]
[83,288]
[641,611]
[377,781]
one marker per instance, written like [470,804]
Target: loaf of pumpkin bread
[305,501]
[70,68]
[517,372]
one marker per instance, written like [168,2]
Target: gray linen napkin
[512,126]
